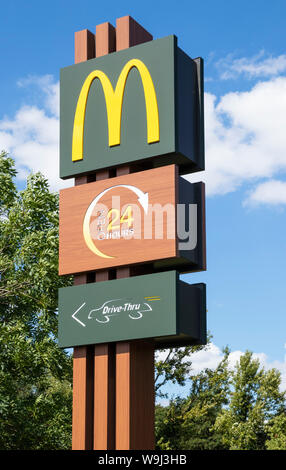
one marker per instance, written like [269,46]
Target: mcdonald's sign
[114,101]
[142,104]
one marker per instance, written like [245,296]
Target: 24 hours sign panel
[158,306]
[144,103]
[150,216]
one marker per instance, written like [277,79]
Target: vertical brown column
[135,398]
[104,356]
[82,424]
[82,419]
[84,42]
[104,397]
[82,398]
[129,33]
[134,360]
[109,415]
[105,39]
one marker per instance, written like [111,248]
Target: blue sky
[243,45]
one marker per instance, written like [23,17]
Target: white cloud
[211,357]
[216,355]
[272,192]
[47,87]
[31,136]
[260,65]
[245,137]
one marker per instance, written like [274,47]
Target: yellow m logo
[114,100]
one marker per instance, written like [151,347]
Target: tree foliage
[240,408]
[173,365]
[35,375]
[235,409]
[255,401]
[189,423]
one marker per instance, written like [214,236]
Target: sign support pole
[112,383]
[82,398]
[135,395]
[82,392]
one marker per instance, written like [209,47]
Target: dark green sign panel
[158,306]
[143,104]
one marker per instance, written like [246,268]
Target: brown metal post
[104,357]
[83,377]
[129,33]
[123,412]
[104,397]
[82,398]
[105,39]
[134,360]
[82,424]
[135,400]
[84,49]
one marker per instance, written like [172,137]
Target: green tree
[189,423]
[236,409]
[243,409]
[173,366]
[255,404]
[276,430]
[35,375]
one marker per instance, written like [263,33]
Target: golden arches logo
[114,100]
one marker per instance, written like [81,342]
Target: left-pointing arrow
[74,314]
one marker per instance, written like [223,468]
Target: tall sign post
[131,125]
